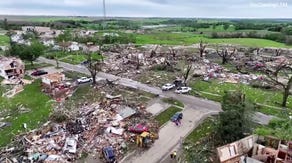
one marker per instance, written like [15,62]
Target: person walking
[174,154]
[171,155]
[176,122]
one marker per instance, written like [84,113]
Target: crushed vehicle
[109,155]
[138,128]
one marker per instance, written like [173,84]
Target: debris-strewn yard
[31,107]
[93,118]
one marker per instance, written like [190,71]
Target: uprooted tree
[226,54]
[280,75]
[202,48]
[94,64]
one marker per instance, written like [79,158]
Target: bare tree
[278,52]
[172,52]
[225,54]
[285,80]
[153,51]
[187,73]
[63,46]
[186,67]
[202,48]
[136,57]
[94,65]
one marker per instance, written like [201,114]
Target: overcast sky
[152,8]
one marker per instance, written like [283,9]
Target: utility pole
[104,10]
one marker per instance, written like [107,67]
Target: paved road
[196,110]
[170,136]
[189,100]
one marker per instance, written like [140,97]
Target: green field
[190,38]
[52,19]
[4,40]
[32,98]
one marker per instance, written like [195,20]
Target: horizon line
[182,17]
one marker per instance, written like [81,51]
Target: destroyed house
[256,149]
[38,29]
[11,67]
[231,153]
[52,80]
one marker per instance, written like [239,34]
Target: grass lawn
[74,75]
[4,40]
[74,59]
[173,102]
[28,66]
[199,145]
[156,78]
[165,116]
[31,98]
[203,130]
[190,38]
[255,95]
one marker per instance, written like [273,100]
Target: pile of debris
[99,125]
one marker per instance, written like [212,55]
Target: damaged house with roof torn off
[256,149]
[11,67]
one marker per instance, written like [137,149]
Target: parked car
[138,128]
[183,90]
[109,155]
[167,87]
[177,116]
[84,63]
[39,73]
[84,80]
